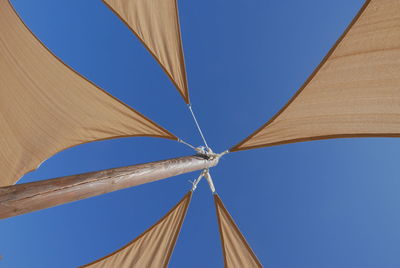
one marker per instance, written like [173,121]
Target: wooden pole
[27,197]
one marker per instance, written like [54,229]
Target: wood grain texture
[27,197]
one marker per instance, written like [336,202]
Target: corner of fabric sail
[238,147]
[236,250]
[254,142]
[81,113]
[168,52]
[154,247]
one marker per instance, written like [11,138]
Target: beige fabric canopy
[354,92]
[156,24]
[237,252]
[46,107]
[154,247]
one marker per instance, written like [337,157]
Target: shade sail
[156,24]
[354,92]
[237,252]
[46,107]
[154,247]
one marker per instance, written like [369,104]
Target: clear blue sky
[332,203]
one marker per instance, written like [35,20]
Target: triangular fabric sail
[156,24]
[46,107]
[154,247]
[354,92]
[236,250]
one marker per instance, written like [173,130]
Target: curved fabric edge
[185,95]
[36,164]
[317,138]
[220,205]
[168,135]
[104,139]
[186,199]
[239,147]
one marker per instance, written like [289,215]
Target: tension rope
[202,150]
[198,125]
[204,174]
[186,143]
